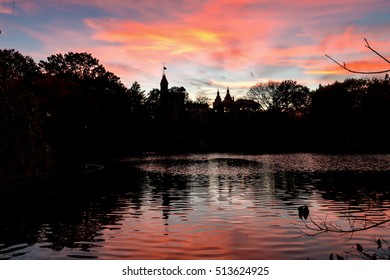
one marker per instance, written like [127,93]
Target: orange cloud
[230,84]
[5,10]
[361,66]
[215,36]
[154,38]
[231,43]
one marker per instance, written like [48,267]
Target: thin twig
[356,72]
[381,56]
[344,66]
[325,228]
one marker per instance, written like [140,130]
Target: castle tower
[164,91]
[228,97]
[164,82]
[217,104]
[172,101]
[228,101]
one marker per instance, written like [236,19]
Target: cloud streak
[225,42]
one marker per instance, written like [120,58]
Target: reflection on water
[204,206]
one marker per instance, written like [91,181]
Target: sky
[206,45]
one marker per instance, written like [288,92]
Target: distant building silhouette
[173,107]
[244,105]
[228,101]
[229,105]
[172,101]
[217,104]
[220,106]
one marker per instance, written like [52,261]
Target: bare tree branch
[344,66]
[323,225]
[381,56]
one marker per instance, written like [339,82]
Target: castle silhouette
[173,102]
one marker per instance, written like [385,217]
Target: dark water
[203,206]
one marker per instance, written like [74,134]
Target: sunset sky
[206,44]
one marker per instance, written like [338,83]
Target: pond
[203,206]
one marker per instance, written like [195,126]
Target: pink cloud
[219,40]
[210,36]
[5,9]
[18,7]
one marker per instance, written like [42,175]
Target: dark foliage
[69,108]
[23,149]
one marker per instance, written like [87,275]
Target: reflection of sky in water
[222,207]
[248,164]
[246,205]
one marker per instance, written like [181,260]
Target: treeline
[69,109]
[342,117]
[66,109]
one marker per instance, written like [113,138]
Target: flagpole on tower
[164,68]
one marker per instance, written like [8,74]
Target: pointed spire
[164,81]
[227,94]
[164,68]
[217,102]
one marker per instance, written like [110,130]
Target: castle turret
[217,104]
[228,101]
[172,100]
[164,83]
[164,91]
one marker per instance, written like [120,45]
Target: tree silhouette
[263,93]
[76,65]
[23,149]
[96,105]
[287,96]
[138,121]
[153,103]
[78,110]
[202,98]
[351,114]
[136,97]
[293,97]
[175,90]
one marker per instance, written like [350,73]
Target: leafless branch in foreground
[344,66]
[322,225]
